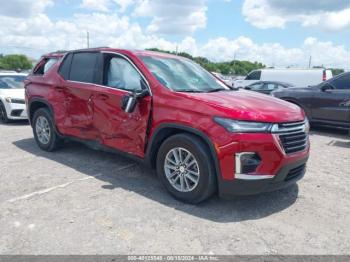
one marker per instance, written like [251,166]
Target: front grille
[293,136]
[295,172]
[17,101]
[16,112]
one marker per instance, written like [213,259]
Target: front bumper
[286,176]
[16,111]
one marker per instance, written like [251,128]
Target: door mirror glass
[326,87]
[129,103]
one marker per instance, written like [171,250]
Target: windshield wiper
[216,90]
[189,91]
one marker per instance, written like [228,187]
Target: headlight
[307,125]
[235,126]
[14,100]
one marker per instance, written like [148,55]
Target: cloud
[96,5]
[124,4]
[107,5]
[28,35]
[331,15]
[173,17]
[23,8]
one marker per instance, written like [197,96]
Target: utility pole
[177,48]
[310,61]
[87,39]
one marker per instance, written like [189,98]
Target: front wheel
[44,132]
[3,114]
[185,167]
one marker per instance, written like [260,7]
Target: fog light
[247,162]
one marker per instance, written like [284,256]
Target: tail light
[324,78]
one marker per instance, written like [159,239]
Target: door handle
[102,97]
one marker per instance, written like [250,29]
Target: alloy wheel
[182,169]
[42,129]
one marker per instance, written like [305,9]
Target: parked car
[266,87]
[171,114]
[325,104]
[12,105]
[296,77]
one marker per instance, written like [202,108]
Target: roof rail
[87,49]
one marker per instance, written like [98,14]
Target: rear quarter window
[45,65]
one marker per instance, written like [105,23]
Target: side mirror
[129,102]
[326,87]
[247,88]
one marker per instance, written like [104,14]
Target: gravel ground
[80,201]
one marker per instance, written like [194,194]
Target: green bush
[15,62]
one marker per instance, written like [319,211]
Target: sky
[275,32]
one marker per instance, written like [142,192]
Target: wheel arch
[35,104]
[166,130]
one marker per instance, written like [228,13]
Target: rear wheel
[186,169]
[44,132]
[3,114]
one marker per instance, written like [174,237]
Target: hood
[250,106]
[13,93]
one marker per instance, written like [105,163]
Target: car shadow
[144,182]
[15,123]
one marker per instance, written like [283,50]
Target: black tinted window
[65,66]
[342,82]
[255,75]
[270,86]
[83,67]
[257,86]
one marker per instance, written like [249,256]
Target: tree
[15,62]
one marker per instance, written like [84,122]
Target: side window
[342,82]
[258,86]
[270,86]
[84,67]
[65,66]
[255,75]
[45,66]
[122,75]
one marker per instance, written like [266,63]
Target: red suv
[168,112]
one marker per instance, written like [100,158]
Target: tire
[196,189]
[44,124]
[3,114]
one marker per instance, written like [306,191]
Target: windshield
[182,75]
[12,82]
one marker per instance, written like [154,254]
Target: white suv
[12,103]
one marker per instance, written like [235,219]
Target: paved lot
[80,201]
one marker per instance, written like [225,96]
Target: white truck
[296,77]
